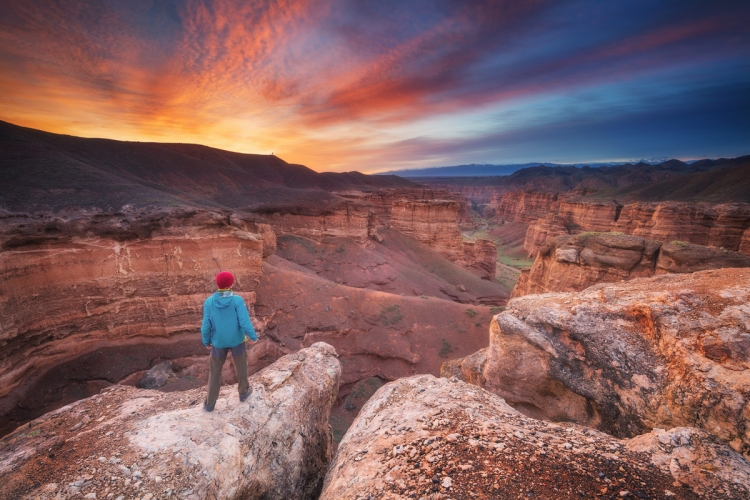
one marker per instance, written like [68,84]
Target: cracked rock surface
[661,352]
[428,438]
[133,443]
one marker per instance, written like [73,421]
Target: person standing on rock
[226,327]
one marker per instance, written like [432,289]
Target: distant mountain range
[485,170]
[721,180]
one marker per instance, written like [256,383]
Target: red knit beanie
[224,279]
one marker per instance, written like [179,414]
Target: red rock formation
[480,254]
[552,215]
[573,263]
[421,437]
[381,201]
[679,257]
[745,243]
[658,352]
[588,216]
[400,265]
[349,219]
[541,230]
[715,225]
[433,223]
[378,334]
[524,206]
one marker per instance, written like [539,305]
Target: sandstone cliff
[132,443]
[127,286]
[433,217]
[480,254]
[589,215]
[661,352]
[681,257]
[524,206]
[353,220]
[433,223]
[423,437]
[573,263]
[719,225]
[541,230]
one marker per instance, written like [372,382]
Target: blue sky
[380,85]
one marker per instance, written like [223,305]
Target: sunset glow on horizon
[377,85]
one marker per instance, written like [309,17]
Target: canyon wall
[720,225]
[659,352]
[381,201]
[524,206]
[349,219]
[541,230]
[433,223]
[481,255]
[133,443]
[85,284]
[422,437]
[434,217]
[591,216]
[573,263]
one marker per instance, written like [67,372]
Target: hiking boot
[243,397]
[208,408]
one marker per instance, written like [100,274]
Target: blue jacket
[226,321]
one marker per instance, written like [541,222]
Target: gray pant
[216,363]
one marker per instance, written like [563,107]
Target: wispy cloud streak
[370,85]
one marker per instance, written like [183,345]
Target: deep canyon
[619,365]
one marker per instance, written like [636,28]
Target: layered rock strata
[423,437]
[133,443]
[542,230]
[721,225]
[745,243]
[349,219]
[480,254]
[69,287]
[663,352]
[681,257]
[433,223]
[524,206]
[590,216]
[573,263]
[434,217]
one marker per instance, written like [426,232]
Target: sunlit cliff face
[376,85]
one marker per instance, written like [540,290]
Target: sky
[342,85]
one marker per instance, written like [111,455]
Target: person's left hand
[208,347]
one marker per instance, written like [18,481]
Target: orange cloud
[319,82]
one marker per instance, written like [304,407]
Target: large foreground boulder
[662,352]
[135,443]
[423,437]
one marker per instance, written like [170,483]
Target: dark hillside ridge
[721,180]
[45,171]
[729,182]
[486,170]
